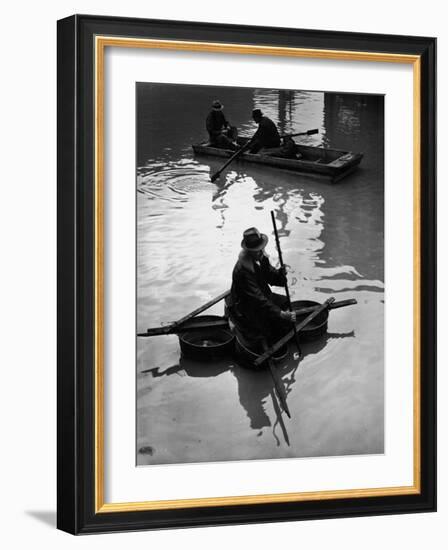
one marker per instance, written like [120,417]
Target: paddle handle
[307,133]
[280,257]
[277,240]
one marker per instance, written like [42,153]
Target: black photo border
[78,510]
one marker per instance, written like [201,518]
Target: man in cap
[267,134]
[220,132]
[258,313]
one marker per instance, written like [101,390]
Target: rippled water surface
[188,239]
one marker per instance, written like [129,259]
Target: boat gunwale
[306,167]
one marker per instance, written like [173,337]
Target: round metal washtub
[246,356]
[317,327]
[206,343]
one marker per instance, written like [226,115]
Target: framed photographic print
[246,274]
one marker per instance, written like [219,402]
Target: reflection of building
[285,109]
[293,111]
[354,220]
[350,120]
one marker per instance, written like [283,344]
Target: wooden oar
[334,305]
[268,353]
[282,265]
[277,383]
[172,327]
[216,175]
[221,323]
[307,133]
[202,308]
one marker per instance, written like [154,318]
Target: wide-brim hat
[217,105]
[253,240]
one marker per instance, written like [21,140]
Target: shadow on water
[255,388]
[189,367]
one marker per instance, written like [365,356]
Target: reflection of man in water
[257,312]
[267,134]
[221,134]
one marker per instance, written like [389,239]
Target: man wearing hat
[220,132]
[267,134]
[257,312]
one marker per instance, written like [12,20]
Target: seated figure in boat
[221,134]
[257,313]
[267,134]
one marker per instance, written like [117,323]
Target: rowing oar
[334,305]
[191,325]
[223,323]
[173,327]
[282,265]
[280,343]
[216,175]
[307,133]
[277,383]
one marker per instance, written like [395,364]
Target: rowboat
[331,165]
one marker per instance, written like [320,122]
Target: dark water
[189,232]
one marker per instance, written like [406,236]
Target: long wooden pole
[202,308]
[288,297]
[192,324]
[173,326]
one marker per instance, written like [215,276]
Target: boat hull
[331,165]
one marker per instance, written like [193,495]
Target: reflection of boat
[328,164]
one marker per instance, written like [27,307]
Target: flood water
[188,240]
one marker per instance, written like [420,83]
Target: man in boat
[221,134]
[257,313]
[266,136]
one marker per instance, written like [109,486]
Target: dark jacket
[267,134]
[215,123]
[250,292]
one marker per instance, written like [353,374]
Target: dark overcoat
[267,134]
[255,309]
